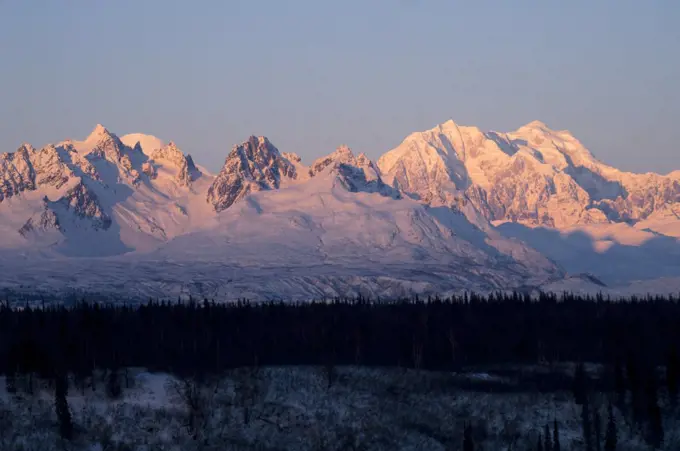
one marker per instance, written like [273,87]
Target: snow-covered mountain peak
[292,157]
[451,127]
[255,142]
[536,124]
[558,148]
[254,165]
[344,150]
[533,175]
[365,178]
[26,148]
[363,161]
[100,142]
[541,137]
[190,162]
[255,148]
[343,154]
[172,159]
[441,148]
[99,135]
[98,131]
[541,133]
[170,152]
[433,161]
[147,143]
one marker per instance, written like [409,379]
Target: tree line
[205,337]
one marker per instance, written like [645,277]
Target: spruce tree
[580,384]
[11,382]
[61,406]
[610,439]
[635,388]
[655,427]
[673,376]
[597,423]
[585,424]
[468,444]
[556,438]
[620,383]
[113,387]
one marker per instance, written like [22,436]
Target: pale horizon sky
[311,74]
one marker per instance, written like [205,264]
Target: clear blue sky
[312,74]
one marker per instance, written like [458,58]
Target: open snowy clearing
[294,409]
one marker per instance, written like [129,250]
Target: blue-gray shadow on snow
[576,253]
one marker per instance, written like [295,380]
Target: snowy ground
[139,281]
[293,409]
[123,280]
[260,254]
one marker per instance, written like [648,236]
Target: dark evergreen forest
[203,337]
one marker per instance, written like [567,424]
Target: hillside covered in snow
[450,209]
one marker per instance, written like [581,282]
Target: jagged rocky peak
[170,152]
[129,171]
[46,221]
[448,126]
[263,154]
[260,157]
[16,173]
[187,171]
[25,149]
[190,163]
[354,173]
[98,132]
[50,169]
[363,178]
[362,161]
[293,157]
[343,154]
[370,169]
[77,201]
[254,165]
[103,144]
[85,204]
[28,169]
[452,131]
[101,134]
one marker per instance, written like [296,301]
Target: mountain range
[449,209]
